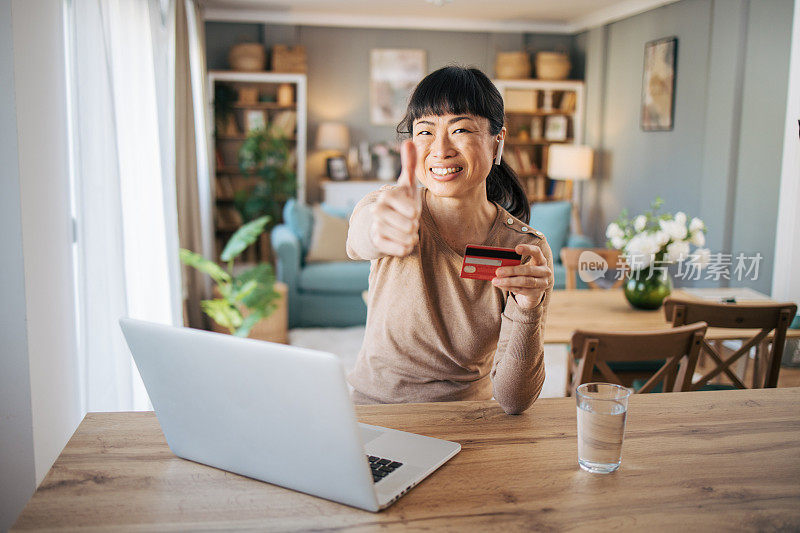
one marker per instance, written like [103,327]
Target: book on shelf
[227,219]
[512,161]
[284,123]
[536,128]
[525,163]
[225,188]
[568,101]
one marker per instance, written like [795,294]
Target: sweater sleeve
[518,370]
[359,244]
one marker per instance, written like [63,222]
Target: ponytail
[503,188]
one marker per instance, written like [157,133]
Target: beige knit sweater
[434,336]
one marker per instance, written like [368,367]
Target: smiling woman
[432,335]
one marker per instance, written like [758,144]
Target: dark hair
[460,90]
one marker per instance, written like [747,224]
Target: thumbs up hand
[395,221]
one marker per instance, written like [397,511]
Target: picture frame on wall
[337,168]
[658,84]
[393,75]
[254,119]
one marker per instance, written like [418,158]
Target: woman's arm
[518,371]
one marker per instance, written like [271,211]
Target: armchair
[320,294]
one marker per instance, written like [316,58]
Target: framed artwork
[254,119]
[556,128]
[393,74]
[658,84]
[337,168]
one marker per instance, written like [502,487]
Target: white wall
[785,282]
[49,407]
[16,429]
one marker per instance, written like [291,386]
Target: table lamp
[334,137]
[570,162]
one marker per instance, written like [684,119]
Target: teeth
[446,171]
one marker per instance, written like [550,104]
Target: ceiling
[551,16]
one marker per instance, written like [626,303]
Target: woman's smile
[446,173]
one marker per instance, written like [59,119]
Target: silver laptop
[276,413]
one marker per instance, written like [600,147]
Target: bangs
[457,91]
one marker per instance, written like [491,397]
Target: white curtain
[191,163]
[124,187]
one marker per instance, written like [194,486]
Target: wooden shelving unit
[538,114]
[227,137]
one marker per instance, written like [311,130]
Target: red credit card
[480,262]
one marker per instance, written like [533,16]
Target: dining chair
[571,259]
[677,347]
[766,318]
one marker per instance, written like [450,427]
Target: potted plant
[265,154]
[242,299]
[650,243]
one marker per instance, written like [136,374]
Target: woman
[432,335]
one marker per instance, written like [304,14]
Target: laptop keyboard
[382,467]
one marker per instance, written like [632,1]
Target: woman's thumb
[408,163]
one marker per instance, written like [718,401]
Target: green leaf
[247,325]
[261,299]
[244,237]
[223,313]
[204,265]
[245,290]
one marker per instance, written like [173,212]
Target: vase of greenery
[266,156]
[650,242]
[242,299]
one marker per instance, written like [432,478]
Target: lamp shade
[333,136]
[569,162]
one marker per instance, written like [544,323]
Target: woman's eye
[423,132]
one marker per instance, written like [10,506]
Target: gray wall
[16,425]
[722,159]
[338,66]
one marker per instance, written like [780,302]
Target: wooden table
[697,461]
[610,311]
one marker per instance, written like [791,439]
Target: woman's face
[454,153]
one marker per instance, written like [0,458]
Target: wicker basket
[552,66]
[248,57]
[512,65]
[289,59]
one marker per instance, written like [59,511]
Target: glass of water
[601,424]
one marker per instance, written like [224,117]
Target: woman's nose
[442,147]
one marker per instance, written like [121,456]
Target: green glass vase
[647,288]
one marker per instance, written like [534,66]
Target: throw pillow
[328,238]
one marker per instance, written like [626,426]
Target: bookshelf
[238,102]
[538,114]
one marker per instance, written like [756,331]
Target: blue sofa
[320,294]
[552,219]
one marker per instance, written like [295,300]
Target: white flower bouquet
[652,239]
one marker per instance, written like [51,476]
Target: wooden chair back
[570,258]
[678,346]
[765,317]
